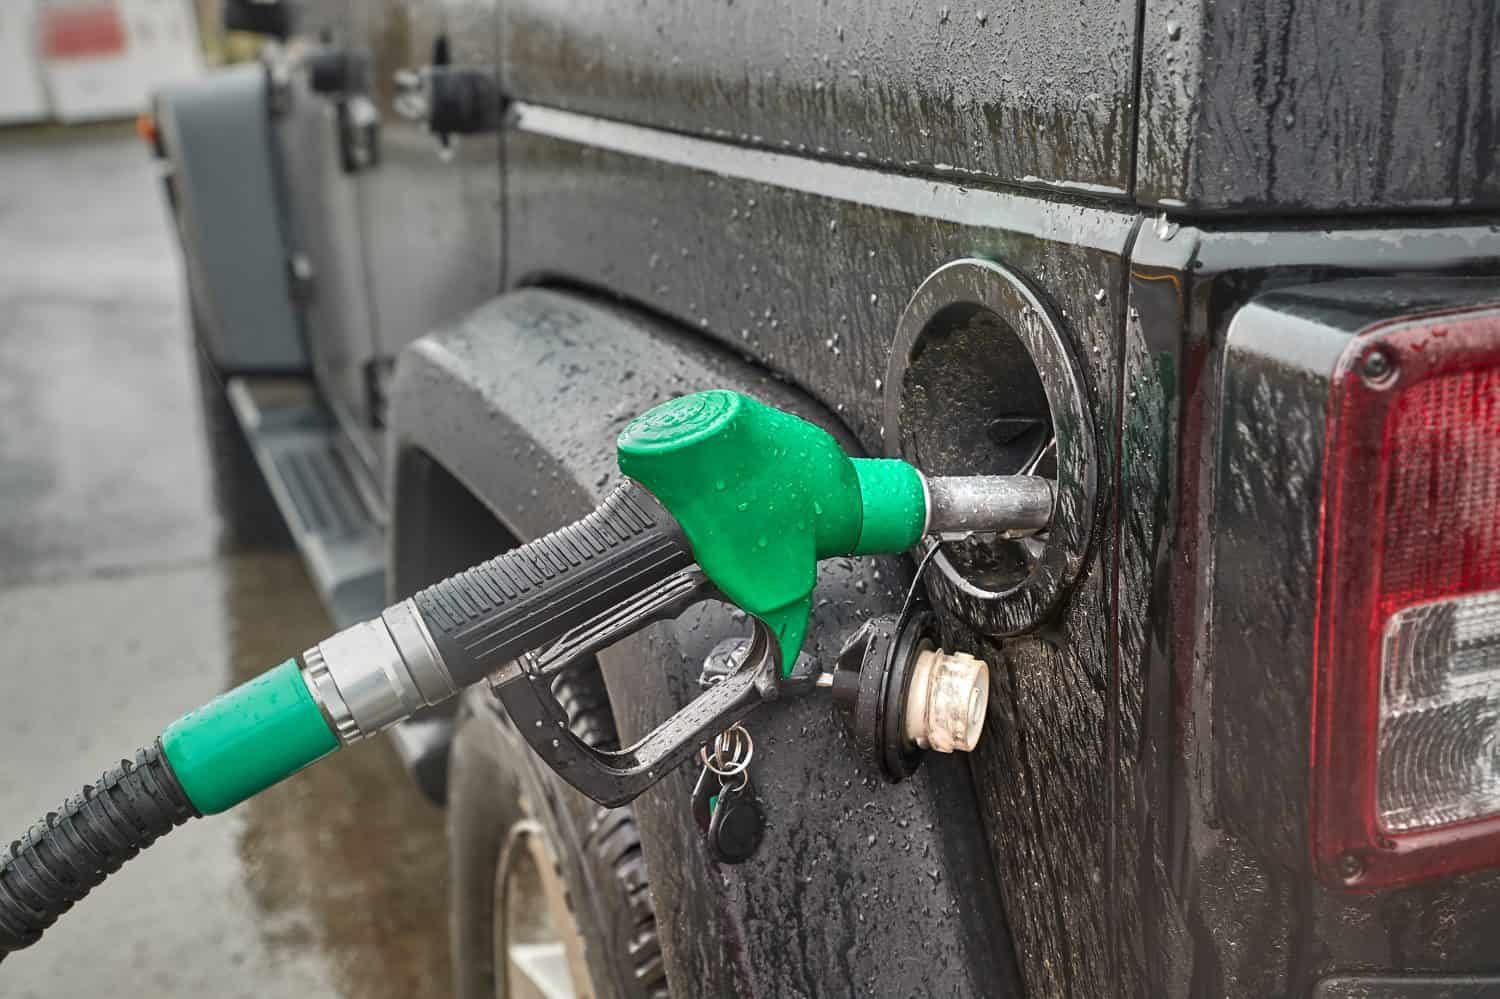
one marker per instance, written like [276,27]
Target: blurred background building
[80,61]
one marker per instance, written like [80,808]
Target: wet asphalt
[131,589]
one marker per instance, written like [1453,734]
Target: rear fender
[859,884]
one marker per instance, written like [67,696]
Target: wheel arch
[516,406]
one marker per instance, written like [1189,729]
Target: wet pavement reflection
[125,599]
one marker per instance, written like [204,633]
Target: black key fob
[736,827]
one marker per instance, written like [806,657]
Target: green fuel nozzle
[726,497]
[763,496]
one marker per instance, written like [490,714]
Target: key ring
[735,743]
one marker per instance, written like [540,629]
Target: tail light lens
[1406,713]
[1439,714]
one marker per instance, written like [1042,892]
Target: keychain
[724,804]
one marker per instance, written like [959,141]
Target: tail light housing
[1406,709]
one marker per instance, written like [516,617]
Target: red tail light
[1406,712]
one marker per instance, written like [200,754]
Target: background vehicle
[1193,225]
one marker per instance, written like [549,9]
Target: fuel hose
[205,762]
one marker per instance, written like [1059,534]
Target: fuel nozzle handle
[461,630]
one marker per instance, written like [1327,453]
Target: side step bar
[332,519]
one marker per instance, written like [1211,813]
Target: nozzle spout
[1015,505]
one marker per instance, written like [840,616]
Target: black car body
[1206,203]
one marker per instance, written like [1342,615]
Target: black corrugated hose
[70,851]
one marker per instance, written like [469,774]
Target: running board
[321,493]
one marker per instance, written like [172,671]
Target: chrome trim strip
[1043,217]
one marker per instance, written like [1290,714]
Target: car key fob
[736,826]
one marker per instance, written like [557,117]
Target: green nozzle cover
[247,739]
[763,495]
[895,506]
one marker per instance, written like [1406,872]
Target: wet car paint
[124,602]
[1193,944]
[1035,94]
[1226,456]
[1298,108]
[1121,873]
[805,269]
[860,886]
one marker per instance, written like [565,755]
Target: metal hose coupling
[374,674]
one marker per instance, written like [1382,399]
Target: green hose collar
[247,739]
[895,505]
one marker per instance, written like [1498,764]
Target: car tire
[498,789]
